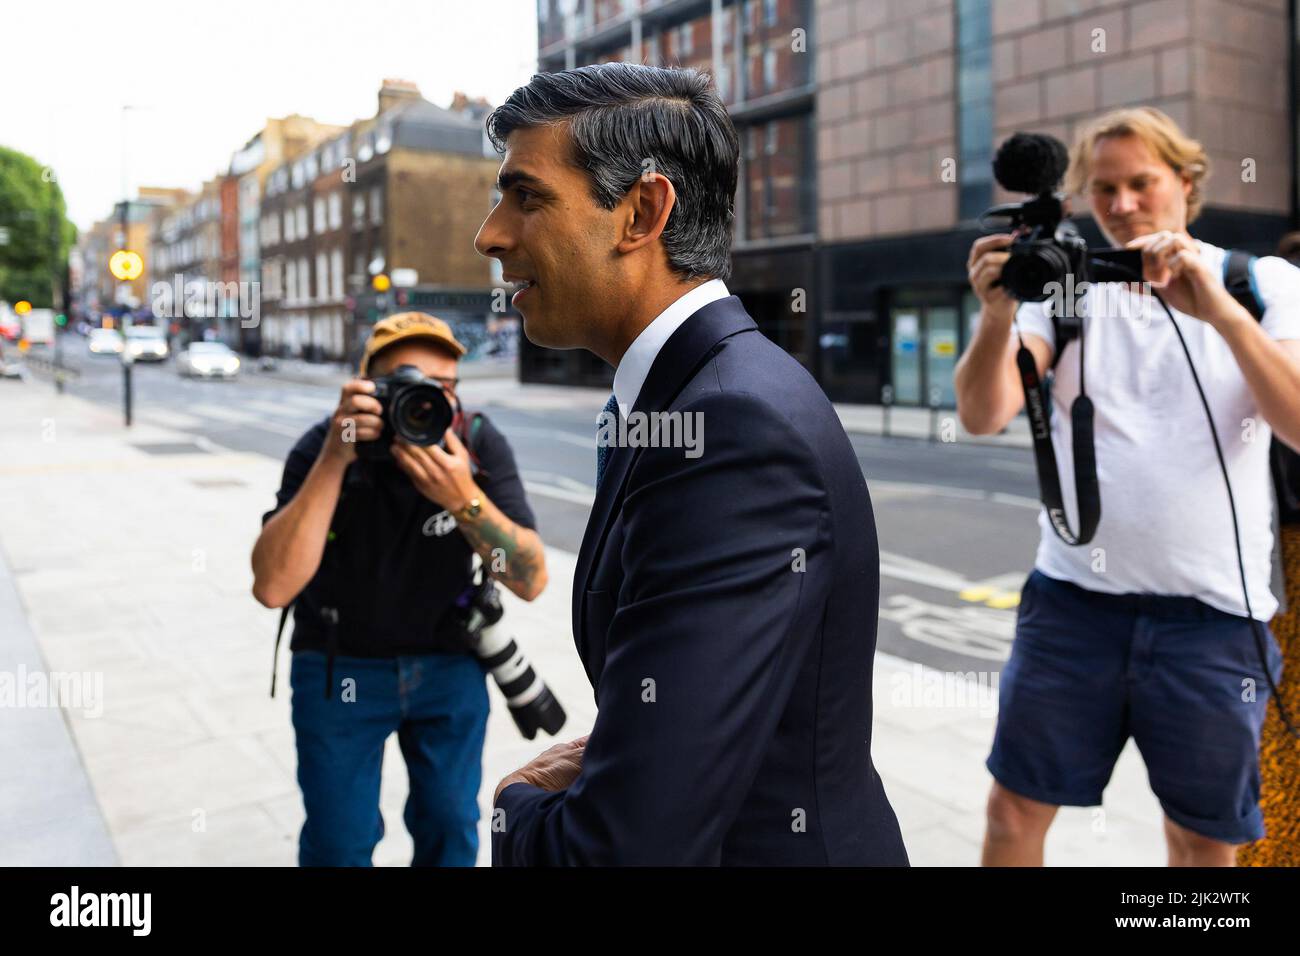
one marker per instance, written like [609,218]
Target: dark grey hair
[625,120]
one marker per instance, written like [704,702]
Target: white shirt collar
[635,364]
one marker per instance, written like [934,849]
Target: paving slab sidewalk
[128,554]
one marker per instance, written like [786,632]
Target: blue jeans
[438,705]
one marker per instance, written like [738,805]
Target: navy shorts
[1185,680]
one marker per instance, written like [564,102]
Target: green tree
[35,234]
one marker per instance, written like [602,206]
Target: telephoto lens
[531,703]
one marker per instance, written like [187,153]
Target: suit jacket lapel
[680,356]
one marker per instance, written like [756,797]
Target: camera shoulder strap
[1063,333]
[1087,493]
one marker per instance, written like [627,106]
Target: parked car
[146,343]
[104,342]
[207,360]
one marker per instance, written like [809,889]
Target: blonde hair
[1162,136]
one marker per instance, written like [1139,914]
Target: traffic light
[380,283]
[125,265]
[22,307]
[60,320]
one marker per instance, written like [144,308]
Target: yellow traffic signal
[125,265]
[380,283]
[23,307]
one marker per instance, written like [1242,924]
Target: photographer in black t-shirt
[373,556]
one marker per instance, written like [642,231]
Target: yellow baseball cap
[408,325]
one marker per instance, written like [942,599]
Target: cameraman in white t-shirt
[1143,632]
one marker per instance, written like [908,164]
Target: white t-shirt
[1165,523]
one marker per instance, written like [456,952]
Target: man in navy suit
[725,597]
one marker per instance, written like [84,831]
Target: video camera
[1047,247]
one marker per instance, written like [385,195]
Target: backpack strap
[1239,280]
[469,429]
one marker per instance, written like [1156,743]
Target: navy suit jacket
[724,607]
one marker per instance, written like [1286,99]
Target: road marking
[168,419]
[944,491]
[554,434]
[245,420]
[560,494]
[973,631]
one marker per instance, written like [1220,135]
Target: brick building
[866,158]
[399,194]
[186,255]
[279,141]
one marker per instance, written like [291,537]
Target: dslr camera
[1047,247]
[414,407]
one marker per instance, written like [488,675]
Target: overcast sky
[203,76]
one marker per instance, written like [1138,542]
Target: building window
[289,234]
[318,209]
[358,211]
[974,106]
[778,178]
[322,277]
[336,210]
[291,281]
[302,221]
[376,206]
[336,273]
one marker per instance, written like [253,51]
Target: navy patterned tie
[602,448]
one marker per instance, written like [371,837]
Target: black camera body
[1047,255]
[414,407]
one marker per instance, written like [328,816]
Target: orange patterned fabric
[1279,751]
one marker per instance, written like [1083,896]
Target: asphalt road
[956,522]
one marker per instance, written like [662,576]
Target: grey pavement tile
[244,835]
[160,722]
[78,839]
[278,742]
[250,712]
[936,763]
[937,845]
[159,786]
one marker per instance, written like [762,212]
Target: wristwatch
[472,509]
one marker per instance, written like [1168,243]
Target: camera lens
[1032,268]
[421,414]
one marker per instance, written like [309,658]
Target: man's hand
[553,769]
[1172,263]
[984,268]
[358,417]
[444,477]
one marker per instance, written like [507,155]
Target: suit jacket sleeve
[726,559]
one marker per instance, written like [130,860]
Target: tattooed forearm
[511,554]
